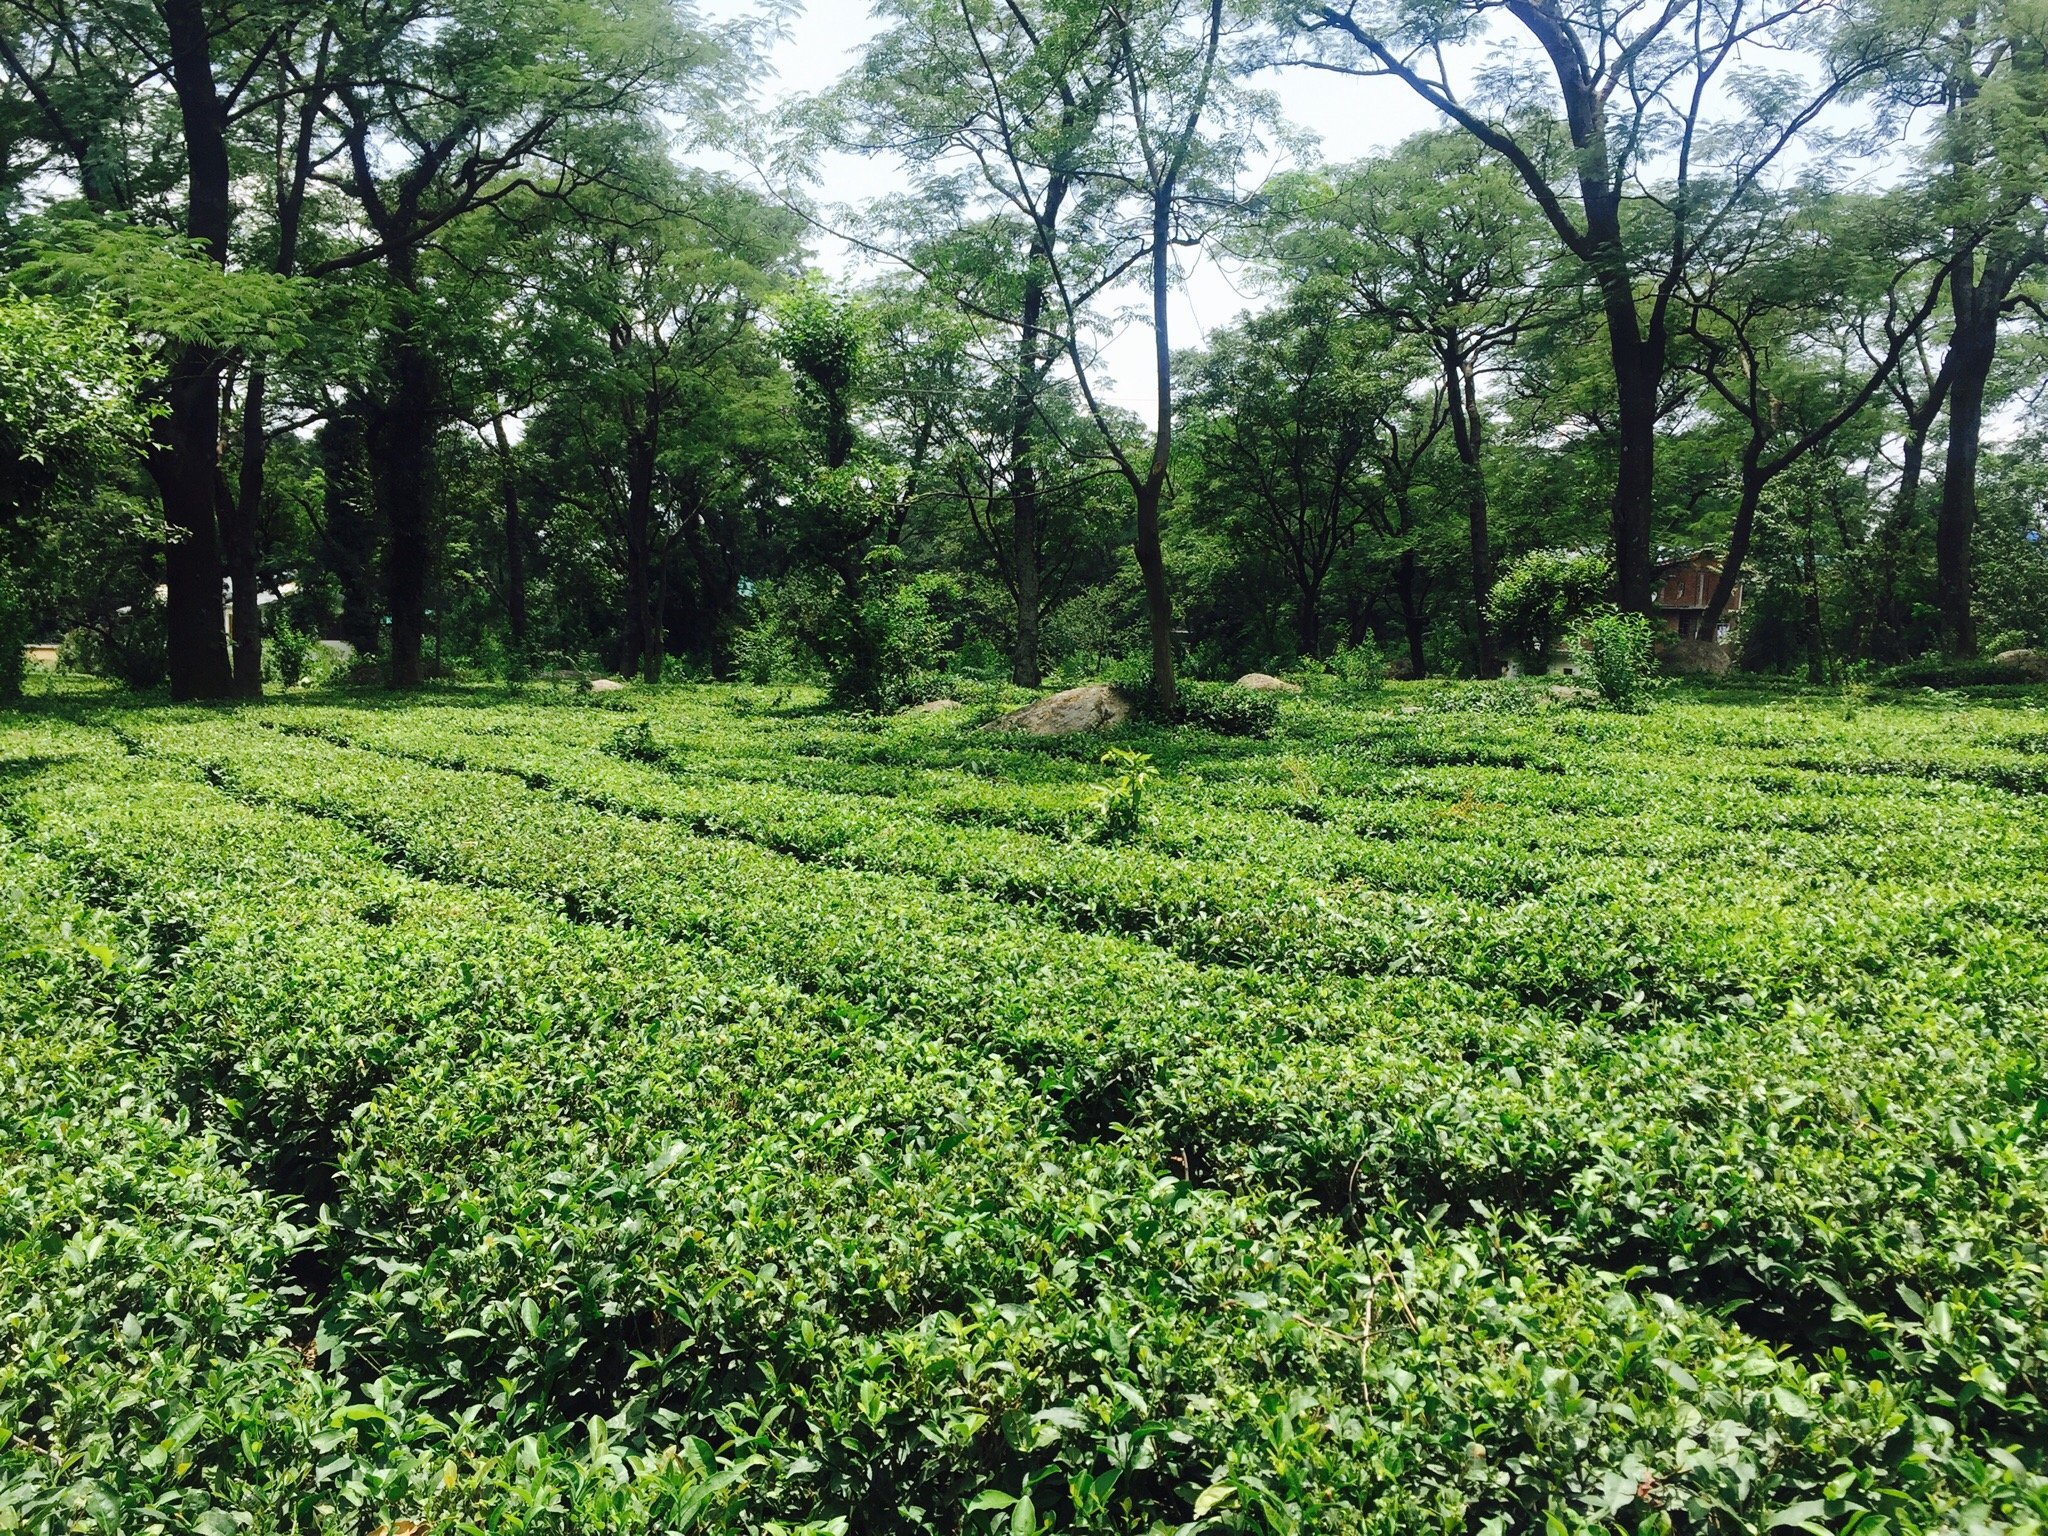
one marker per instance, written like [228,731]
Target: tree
[1287,420]
[656,298]
[1798,329]
[71,418]
[445,110]
[96,84]
[1438,241]
[1165,60]
[997,108]
[1627,170]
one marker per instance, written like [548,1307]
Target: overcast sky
[1350,118]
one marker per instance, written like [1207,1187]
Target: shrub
[1361,665]
[1535,604]
[1620,654]
[133,649]
[1119,810]
[1227,709]
[13,638]
[290,654]
[1936,671]
[765,651]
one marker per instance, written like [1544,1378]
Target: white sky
[1350,118]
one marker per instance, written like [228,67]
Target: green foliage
[1119,811]
[68,388]
[130,649]
[290,653]
[1227,709]
[696,1123]
[1621,656]
[1538,599]
[14,638]
[1360,666]
[765,650]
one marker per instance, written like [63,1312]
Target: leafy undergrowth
[1456,1113]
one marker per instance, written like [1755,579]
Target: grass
[695,1110]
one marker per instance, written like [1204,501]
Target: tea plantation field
[504,1111]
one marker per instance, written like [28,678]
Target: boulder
[1265,682]
[1694,658]
[2025,666]
[606,685]
[1087,708]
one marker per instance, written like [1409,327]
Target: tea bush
[1461,1114]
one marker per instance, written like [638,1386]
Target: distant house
[1685,586]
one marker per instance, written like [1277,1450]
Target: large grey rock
[2026,666]
[1695,658]
[1087,708]
[1265,682]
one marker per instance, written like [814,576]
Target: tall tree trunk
[1158,600]
[1972,347]
[642,648]
[1409,582]
[184,463]
[348,533]
[1636,381]
[515,538]
[1308,616]
[1024,669]
[239,516]
[185,457]
[402,459]
[1886,621]
[1152,488]
[1816,655]
[1462,395]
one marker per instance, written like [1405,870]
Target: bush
[1227,709]
[13,639]
[765,651]
[1361,665]
[889,650]
[1934,671]
[1535,604]
[1620,654]
[1119,811]
[133,649]
[291,653]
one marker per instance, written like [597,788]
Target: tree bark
[1158,600]
[240,514]
[1409,583]
[402,459]
[643,644]
[1972,346]
[1308,617]
[185,457]
[1462,397]
[1024,508]
[1152,489]
[184,463]
[515,539]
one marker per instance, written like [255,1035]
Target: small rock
[1265,682]
[1087,708]
[606,685]
[2026,666]
[932,707]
